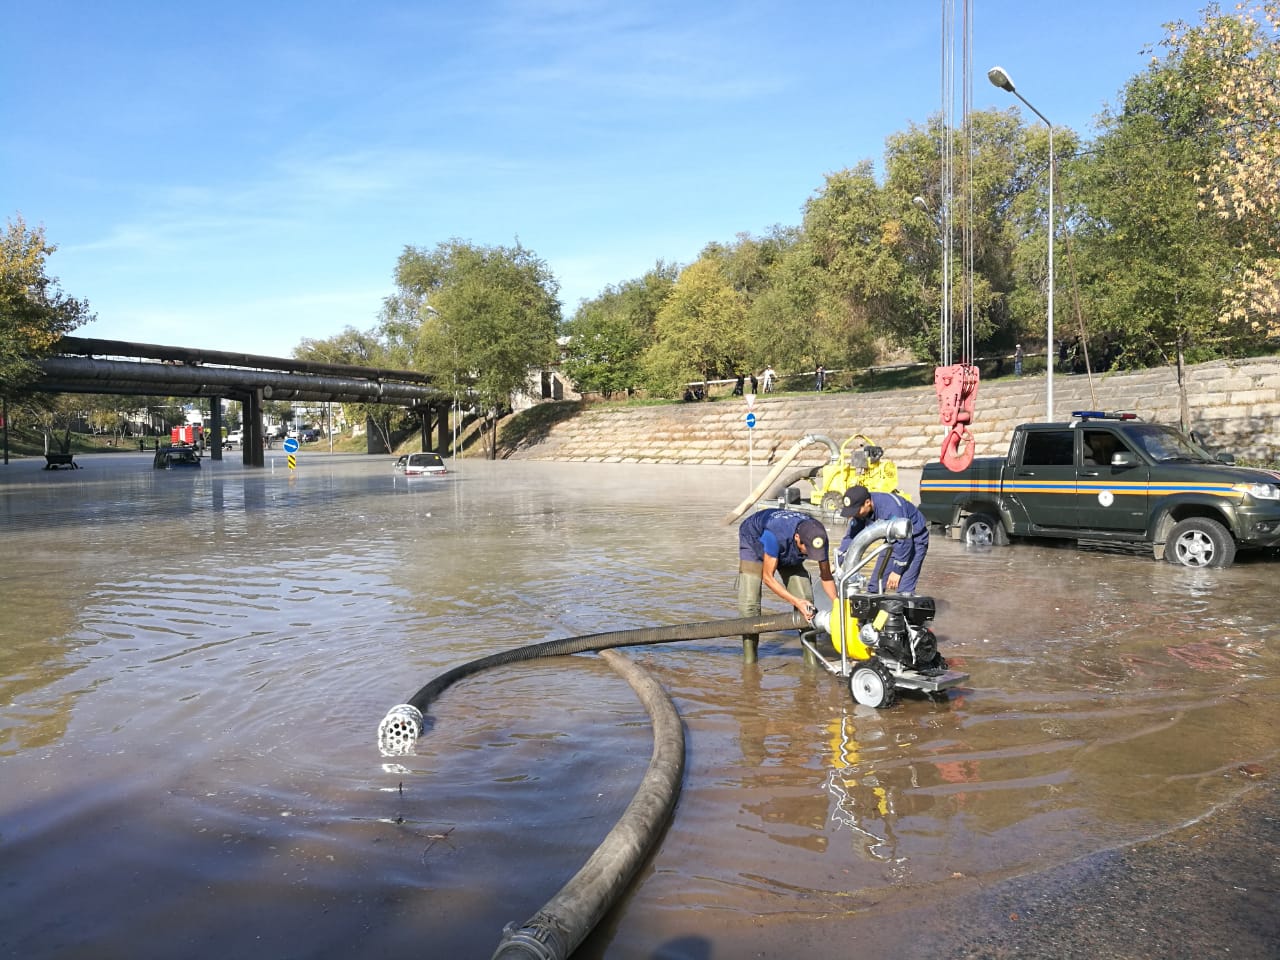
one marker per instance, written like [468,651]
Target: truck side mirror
[1124,458]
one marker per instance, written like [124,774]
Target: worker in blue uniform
[772,548]
[864,508]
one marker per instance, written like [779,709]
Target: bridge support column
[424,428]
[252,455]
[215,430]
[442,427]
[376,435]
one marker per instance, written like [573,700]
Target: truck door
[1042,481]
[1109,498]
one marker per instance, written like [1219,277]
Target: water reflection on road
[192,667]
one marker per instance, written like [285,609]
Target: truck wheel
[1200,542]
[832,501]
[982,530]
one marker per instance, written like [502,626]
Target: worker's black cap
[814,537]
[854,498]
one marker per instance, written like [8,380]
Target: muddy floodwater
[193,666]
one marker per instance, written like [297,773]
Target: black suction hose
[555,931]
[704,630]
[564,921]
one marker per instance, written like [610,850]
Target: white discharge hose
[759,491]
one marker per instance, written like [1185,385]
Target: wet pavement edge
[1208,889]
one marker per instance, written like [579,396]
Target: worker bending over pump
[865,508]
[772,548]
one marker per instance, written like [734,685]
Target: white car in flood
[421,465]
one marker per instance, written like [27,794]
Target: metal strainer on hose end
[398,732]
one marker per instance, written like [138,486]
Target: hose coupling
[822,621]
[398,732]
[539,938]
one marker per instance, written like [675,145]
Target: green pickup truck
[1109,477]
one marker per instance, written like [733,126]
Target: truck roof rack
[1102,415]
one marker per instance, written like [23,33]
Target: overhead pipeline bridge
[88,365]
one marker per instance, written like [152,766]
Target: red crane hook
[957,388]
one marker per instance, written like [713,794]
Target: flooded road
[193,666]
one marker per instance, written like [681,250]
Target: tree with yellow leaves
[1233,63]
[34,312]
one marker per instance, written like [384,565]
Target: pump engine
[896,628]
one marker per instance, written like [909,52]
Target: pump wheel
[871,685]
[832,501]
[1200,542]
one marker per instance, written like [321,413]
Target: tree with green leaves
[608,335]
[360,349]
[852,238]
[34,312]
[352,347]
[754,267]
[58,413]
[479,318]
[1006,165]
[781,327]
[1153,261]
[699,326]
[1159,267]
[110,413]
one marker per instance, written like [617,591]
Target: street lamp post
[1000,78]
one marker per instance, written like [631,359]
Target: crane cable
[955,380]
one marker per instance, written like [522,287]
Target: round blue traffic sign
[751,421]
[291,445]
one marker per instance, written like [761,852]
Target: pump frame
[847,667]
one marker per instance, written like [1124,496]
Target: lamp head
[1001,79]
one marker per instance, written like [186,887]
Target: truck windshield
[1165,443]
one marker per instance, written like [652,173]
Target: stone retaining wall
[1234,404]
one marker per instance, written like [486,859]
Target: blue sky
[239,176]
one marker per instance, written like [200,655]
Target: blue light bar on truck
[1102,415]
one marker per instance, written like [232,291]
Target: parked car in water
[421,465]
[169,458]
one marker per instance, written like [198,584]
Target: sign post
[751,426]
[291,448]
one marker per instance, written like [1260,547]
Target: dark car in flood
[170,458]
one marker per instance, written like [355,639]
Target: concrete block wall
[1234,404]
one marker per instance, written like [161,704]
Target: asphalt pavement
[1209,889]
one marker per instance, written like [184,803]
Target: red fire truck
[191,434]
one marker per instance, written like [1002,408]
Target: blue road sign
[751,421]
[291,445]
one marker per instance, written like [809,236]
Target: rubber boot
[748,586]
